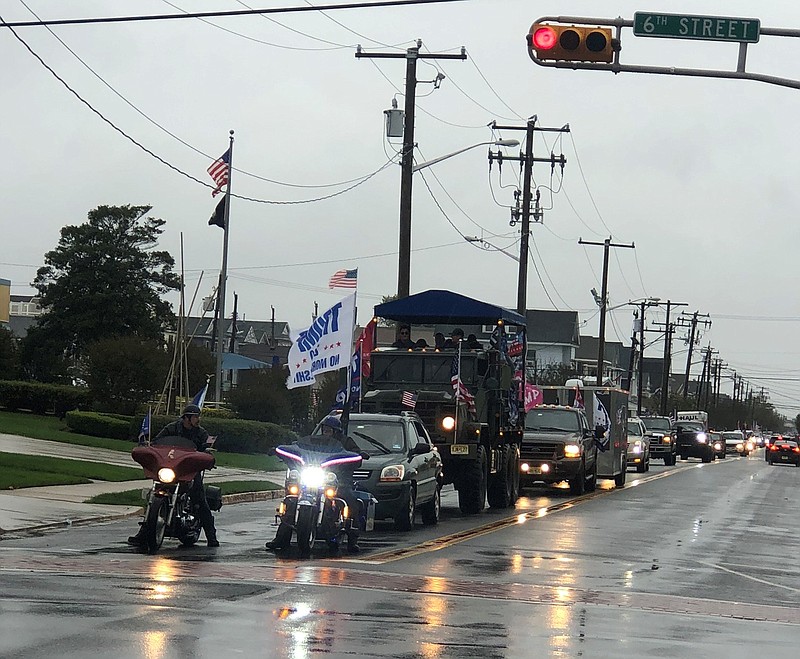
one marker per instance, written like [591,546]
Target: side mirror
[271,450]
[364,455]
[599,432]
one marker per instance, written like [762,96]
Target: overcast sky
[701,174]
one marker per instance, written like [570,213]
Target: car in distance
[404,469]
[638,445]
[735,441]
[784,451]
[662,442]
[718,443]
[769,440]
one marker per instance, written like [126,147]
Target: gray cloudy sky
[700,173]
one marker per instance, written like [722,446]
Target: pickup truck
[662,441]
[558,445]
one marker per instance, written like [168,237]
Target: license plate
[459,449]
[535,470]
[784,457]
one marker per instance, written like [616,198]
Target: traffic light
[571,43]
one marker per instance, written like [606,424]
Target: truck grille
[541,450]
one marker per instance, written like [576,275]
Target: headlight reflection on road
[164,574]
[155,644]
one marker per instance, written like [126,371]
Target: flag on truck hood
[602,420]
[326,345]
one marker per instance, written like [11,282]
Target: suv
[638,445]
[558,445]
[404,469]
[735,441]
[662,442]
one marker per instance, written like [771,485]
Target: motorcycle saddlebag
[214,497]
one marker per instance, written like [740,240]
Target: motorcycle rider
[188,426]
[330,440]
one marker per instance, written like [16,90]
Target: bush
[42,398]
[99,425]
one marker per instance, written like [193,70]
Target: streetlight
[404,263]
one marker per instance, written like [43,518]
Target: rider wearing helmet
[330,439]
[188,426]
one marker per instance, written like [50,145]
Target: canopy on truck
[446,307]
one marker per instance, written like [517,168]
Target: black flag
[218,218]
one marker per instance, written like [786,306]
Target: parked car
[638,445]
[662,442]
[718,443]
[404,469]
[784,451]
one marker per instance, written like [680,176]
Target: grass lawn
[17,471]
[50,427]
[134,497]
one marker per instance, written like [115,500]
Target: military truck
[469,399]
[606,409]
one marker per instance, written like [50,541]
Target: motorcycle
[173,463]
[312,509]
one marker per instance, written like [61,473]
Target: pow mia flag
[218,217]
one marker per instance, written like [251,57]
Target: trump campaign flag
[324,346]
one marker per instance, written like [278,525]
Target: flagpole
[458,393]
[223,278]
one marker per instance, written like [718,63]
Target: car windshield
[657,424]
[377,437]
[634,429]
[563,420]
[691,426]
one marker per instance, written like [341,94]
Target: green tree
[261,395]
[44,355]
[9,358]
[124,372]
[797,422]
[105,279]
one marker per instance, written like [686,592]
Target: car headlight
[313,477]
[448,423]
[166,475]
[392,473]
[702,437]
[717,446]
[666,439]
[572,450]
[739,446]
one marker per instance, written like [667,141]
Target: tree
[261,395]
[105,279]
[124,372]
[797,422]
[9,359]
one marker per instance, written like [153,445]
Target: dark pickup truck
[692,441]
[662,441]
[558,445]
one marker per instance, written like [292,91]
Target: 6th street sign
[706,28]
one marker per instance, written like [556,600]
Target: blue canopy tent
[445,307]
[233,362]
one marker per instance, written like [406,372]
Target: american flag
[219,171]
[460,389]
[409,399]
[344,279]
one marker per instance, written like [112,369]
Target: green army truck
[478,432]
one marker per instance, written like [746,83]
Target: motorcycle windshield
[306,453]
[177,440]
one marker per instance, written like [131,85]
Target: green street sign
[704,28]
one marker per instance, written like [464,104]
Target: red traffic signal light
[571,43]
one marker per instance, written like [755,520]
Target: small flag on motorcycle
[144,431]
[409,399]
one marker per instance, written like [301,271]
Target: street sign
[704,28]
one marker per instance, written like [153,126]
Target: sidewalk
[39,508]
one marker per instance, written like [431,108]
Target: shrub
[42,398]
[98,425]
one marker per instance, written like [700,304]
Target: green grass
[49,427]
[134,497]
[18,471]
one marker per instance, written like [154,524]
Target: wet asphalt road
[686,561]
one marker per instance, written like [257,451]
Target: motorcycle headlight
[572,450]
[166,475]
[313,477]
[393,473]
[331,480]
[293,476]
[448,423]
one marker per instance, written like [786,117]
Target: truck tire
[577,484]
[472,484]
[500,490]
[670,460]
[619,479]
[515,481]
[707,458]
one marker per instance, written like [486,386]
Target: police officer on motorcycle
[188,426]
[330,440]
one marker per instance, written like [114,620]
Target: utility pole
[692,336]
[526,163]
[669,330]
[412,55]
[640,376]
[601,343]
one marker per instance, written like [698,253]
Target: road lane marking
[717,566]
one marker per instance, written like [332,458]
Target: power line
[373,4]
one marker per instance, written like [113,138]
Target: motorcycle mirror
[271,450]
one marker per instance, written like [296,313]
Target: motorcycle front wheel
[156,523]
[306,529]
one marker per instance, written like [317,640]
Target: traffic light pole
[601,342]
[412,55]
[527,161]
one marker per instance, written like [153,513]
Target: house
[23,311]
[616,360]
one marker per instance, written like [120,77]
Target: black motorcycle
[173,463]
[312,509]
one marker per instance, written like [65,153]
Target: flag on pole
[219,171]
[409,399]
[578,399]
[326,345]
[218,217]
[344,279]
[144,430]
[460,389]
[366,344]
[200,396]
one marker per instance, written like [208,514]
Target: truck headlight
[666,439]
[637,447]
[702,437]
[448,423]
[166,475]
[572,450]
[392,473]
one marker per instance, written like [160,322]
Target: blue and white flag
[144,430]
[324,346]
[200,396]
[355,382]
[602,420]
